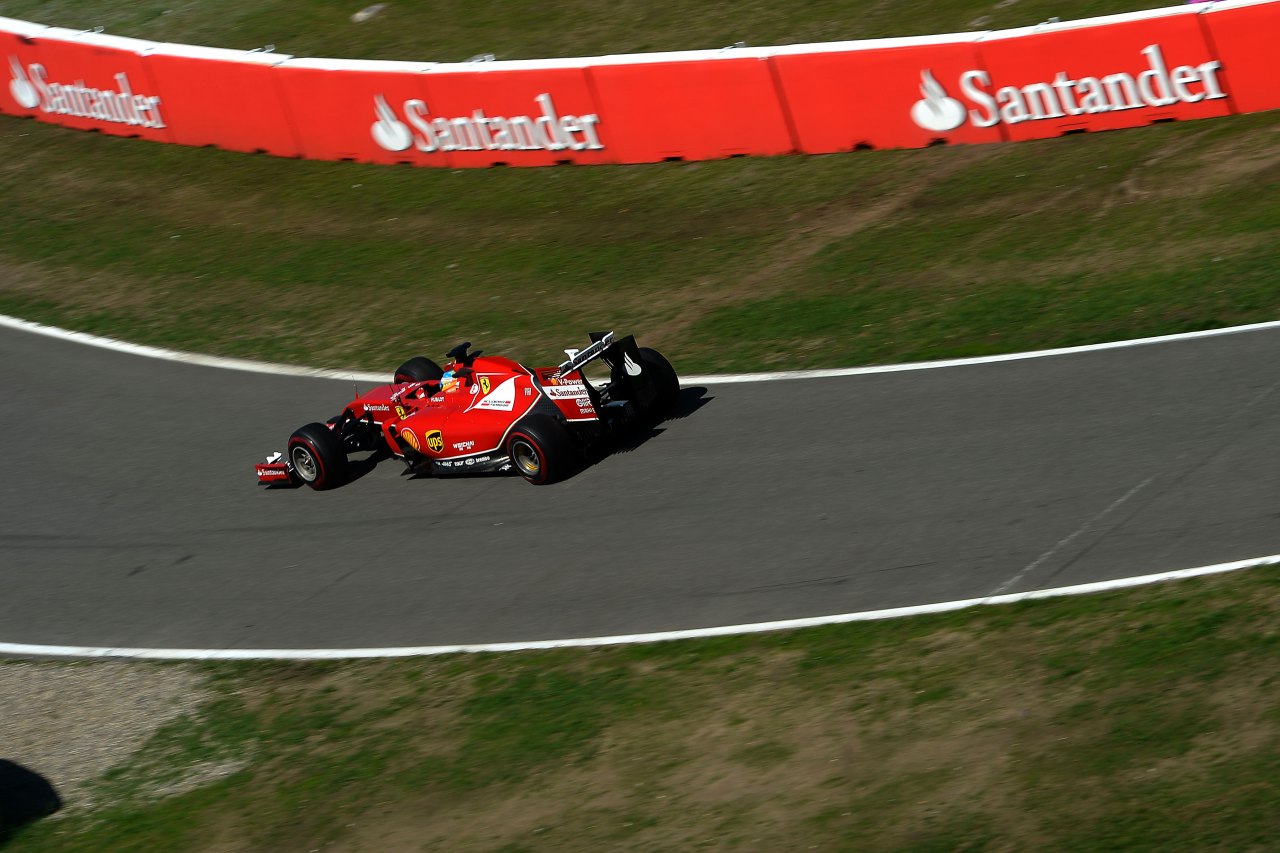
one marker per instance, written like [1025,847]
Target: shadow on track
[689,402]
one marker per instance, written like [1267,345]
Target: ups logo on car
[435,440]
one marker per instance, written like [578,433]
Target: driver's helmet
[449,382]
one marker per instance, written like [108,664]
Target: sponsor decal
[563,392]
[502,398]
[937,111]
[31,88]
[435,440]
[630,366]
[410,439]
[485,385]
[463,445]
[378,407]
[414,127]
[401,412]
[1063,96]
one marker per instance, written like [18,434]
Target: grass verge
[738,264]
[1146,719]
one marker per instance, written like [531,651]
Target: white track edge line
[716,379]
[28,650]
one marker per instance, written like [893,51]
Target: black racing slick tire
[665,380]
[418,369]
[542,450]
[318,457]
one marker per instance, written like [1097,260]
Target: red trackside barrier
[1035,82]
[91,81]
[694,106]
[1243,34]
[535,113]
[18,47]
[227,98]
[1103,74]
[347,109]
[877,94]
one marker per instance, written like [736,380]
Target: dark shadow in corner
[25,797]
[357,468]
[689,401]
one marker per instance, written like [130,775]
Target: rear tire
[542,450]
[665,381]
[318,456]
[418,369]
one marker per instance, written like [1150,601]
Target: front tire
[318,457]
[542,450]
[417,369]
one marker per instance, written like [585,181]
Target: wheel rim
[305,464]
[526,458]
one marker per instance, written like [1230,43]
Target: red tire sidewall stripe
[542,456]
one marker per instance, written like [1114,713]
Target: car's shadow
[689,402]
[357,468]
[626,441]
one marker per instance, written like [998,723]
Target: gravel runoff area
[71,722]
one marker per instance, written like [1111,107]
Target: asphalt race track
[131,517]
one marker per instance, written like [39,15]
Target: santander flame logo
[20,87]
[32,89]
[388,131]
[987,104]
[938,111]
[544,129]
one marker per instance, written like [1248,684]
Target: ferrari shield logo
[484,385]
[401,411]
[435,440]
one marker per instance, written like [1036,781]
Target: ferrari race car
[484,414]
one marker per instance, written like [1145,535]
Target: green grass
[828,261]
[944,732]
[740,264]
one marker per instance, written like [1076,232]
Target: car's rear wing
[579,358]
[628,381]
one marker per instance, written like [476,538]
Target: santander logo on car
[984,105]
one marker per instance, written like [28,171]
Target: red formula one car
[484,414]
